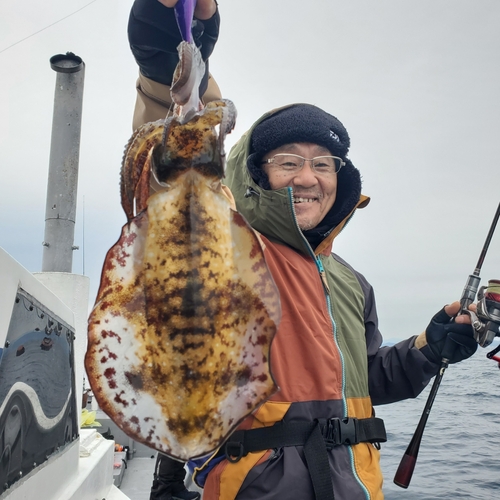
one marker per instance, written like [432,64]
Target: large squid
[180,335]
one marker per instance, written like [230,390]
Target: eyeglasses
[322,165]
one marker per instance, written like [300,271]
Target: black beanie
[297,123]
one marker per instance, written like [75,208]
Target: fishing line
[46,27]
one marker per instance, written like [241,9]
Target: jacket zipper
[326,287]
[322,273]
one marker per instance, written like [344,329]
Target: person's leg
[168,482]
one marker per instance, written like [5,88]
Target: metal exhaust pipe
[62,186]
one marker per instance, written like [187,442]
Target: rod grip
[405,471]
[448,351]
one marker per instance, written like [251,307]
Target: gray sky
[416,83]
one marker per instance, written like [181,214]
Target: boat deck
[137,477]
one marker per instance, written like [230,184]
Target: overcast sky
[416,83]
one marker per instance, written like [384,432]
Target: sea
[459,454]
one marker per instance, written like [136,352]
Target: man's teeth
[303,200]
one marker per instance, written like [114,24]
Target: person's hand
[204,9]
[454,339]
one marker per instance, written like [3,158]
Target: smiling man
[297,154]
[314,186]
[292,179]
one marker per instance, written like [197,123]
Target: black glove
[461,344]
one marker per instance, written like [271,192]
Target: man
[293,182]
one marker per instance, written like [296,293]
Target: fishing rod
[486,324]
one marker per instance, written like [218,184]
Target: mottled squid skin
[180,335]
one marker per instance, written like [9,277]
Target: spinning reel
[486,320]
